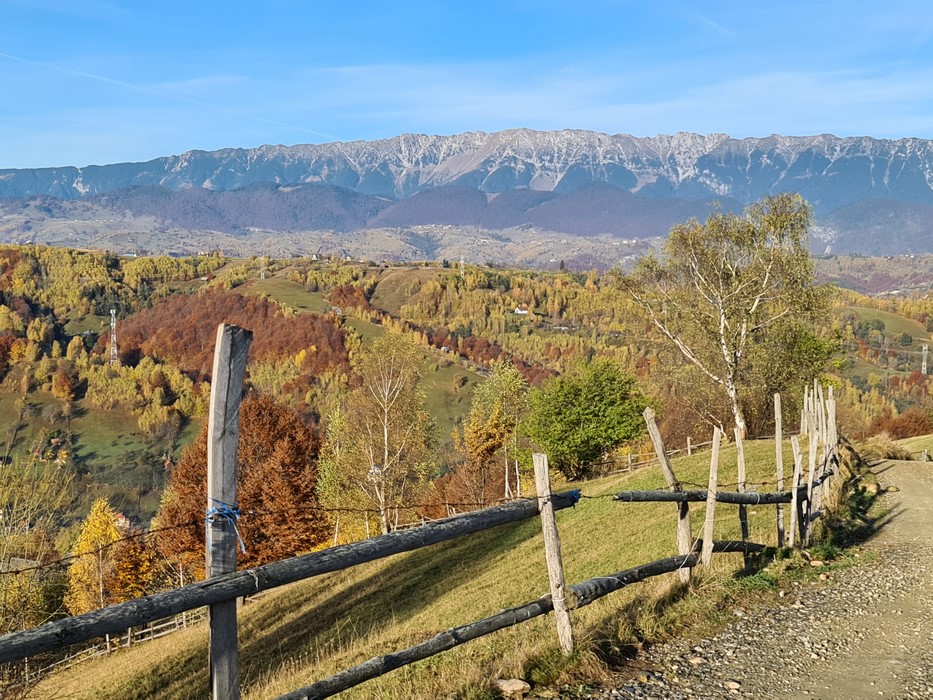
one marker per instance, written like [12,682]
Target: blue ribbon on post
[229,513]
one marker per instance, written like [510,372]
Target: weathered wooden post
[223,426]
[555,566]
[805,411]
[779,460]
[811,452]
[795,497]
[684,538]
[743,509]
[706,555]
[689,446]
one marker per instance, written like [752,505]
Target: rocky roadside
[863,632]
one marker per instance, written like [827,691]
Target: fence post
[707,553]
[555,566]
[779,462]
[221,533]
[743,509]
[689,446]
[795,498]
[811,470]
[684,538]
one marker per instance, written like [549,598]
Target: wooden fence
[225,585]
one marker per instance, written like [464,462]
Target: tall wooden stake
[707,554]
[795,498]
[684,538]
[811,452]
[223,426]
[555,566]
[743,509]
[779,462]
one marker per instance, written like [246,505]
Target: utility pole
[462,268]
[114,358]
[926,349]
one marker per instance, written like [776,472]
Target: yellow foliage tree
[89,572]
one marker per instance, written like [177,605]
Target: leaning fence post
[707,554]
[555,567]
[795,494]
[221,533]
[779,461]
[811,453]
[684,538]
[743,509]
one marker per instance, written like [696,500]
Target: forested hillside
[483,365]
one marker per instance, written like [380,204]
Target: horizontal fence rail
[117,618]
[581,594]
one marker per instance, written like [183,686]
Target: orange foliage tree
[277,474]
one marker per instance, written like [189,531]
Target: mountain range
[869,196]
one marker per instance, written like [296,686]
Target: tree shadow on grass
[327,614]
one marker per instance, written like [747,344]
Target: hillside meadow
[292,636]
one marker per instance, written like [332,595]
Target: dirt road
[868,634]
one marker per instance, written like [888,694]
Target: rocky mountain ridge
[834,171]
[573,181]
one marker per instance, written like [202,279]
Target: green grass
[76,325]
[894,325]
[111,456]
[290,293]
[916,445]
[395,284]
[311,629]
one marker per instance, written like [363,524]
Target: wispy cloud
[163,93]
[717,28]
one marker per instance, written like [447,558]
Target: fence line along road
[117,618]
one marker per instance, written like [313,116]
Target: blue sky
[103,81]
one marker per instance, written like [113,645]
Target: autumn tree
[735,296]
[277,474]
[134,568]
[385,438]
[577,418]
[93,560]
[490,435]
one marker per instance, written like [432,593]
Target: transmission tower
[462,268]
[113,337]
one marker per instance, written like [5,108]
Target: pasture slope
[305,631]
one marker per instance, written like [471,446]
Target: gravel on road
[866,632]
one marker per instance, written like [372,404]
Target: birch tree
[385,435]
[728,289]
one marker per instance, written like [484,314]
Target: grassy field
[894,325]
[916,445]
[396,283]
[112,458]
[307,630]
[290,293]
